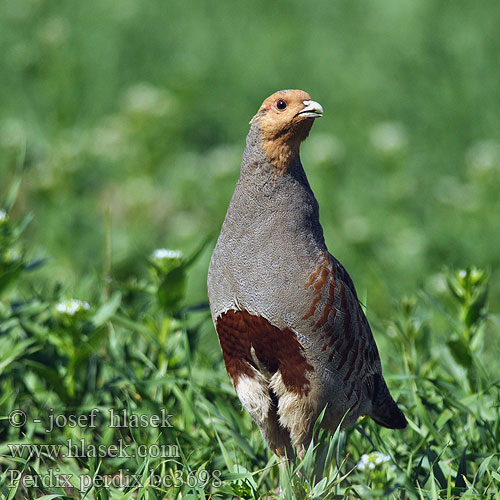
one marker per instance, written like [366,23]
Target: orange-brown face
[285,119]
[287,108]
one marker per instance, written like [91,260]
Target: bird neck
[268,199]
[281,149]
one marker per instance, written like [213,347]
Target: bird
[294,336]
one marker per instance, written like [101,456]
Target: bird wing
[340,328]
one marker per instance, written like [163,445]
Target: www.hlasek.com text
[81,448]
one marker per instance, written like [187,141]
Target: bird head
[284,120]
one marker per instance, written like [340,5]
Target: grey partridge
[293,334]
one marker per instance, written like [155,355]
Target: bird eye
[281,104]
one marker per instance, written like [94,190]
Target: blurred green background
[128,121]
[140,110]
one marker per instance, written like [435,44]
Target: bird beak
[312,109]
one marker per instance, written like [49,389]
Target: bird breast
[270,241]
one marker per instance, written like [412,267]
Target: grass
[122,126]
[137,349]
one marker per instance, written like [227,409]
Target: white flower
[437,283]
[372,460]
[462,195]
[380,458]
[72,306]
[389,137]
[12,255]
[12,133]
[110,139]
[324,148]
[145,99]
[410,242]
[483,156]
[356,228]
[363,462]
[164,253]
[54,31]
[3,215]
[220,160]
[476,275]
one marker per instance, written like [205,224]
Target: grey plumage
[271,267]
